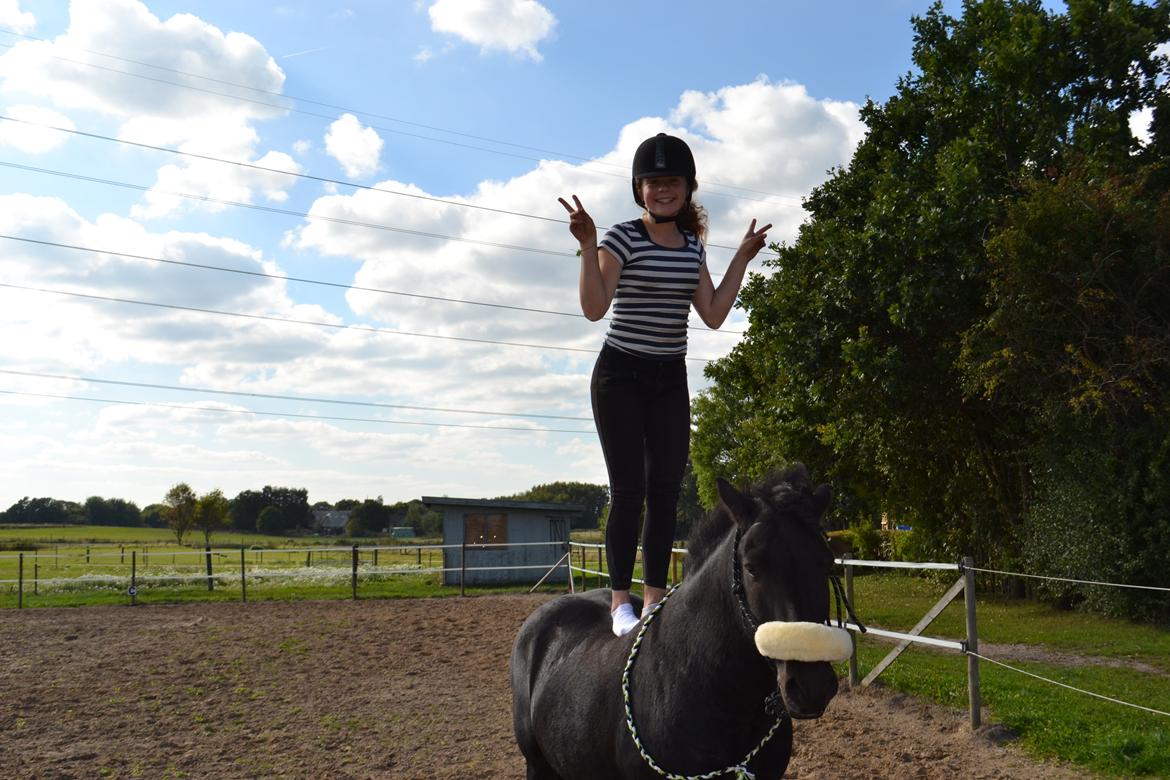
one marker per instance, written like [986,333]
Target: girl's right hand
[580,223]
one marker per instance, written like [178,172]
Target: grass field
[1109,657]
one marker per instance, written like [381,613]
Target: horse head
[781,571]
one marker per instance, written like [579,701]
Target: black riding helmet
[663,155]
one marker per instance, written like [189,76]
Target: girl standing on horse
[652,269]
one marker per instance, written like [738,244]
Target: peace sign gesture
[753,241]
[580,223]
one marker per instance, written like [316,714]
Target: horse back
[566,680]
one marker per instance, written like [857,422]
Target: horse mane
[779,487]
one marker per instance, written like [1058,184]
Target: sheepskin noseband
[803,642]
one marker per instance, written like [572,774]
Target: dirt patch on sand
[368,689]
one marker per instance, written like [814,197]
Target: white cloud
[14,19]
[1139,121]
[760,137]
[154,111]
[1139,124]
[424,55]
[355,147]
[128,29]
[516,26]
[31,138]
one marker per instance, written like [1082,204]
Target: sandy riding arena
[367,689]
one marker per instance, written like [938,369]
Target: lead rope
[740,770]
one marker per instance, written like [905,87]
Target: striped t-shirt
[653,297]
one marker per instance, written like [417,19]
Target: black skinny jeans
[643,414]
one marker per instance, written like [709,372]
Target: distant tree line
[274,510]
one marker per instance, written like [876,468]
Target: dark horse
[702,697]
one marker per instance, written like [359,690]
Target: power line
[299,175]
[339,285]
[316,323]
[286,414]
[301,398]
[265,169]
[285,212]
[292,109]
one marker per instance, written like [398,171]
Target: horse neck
[705,629]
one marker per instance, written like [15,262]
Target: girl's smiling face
[664,196]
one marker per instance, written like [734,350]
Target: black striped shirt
[653,297]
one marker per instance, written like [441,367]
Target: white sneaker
[624,620]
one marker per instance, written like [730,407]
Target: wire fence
[966,647]
[137,572]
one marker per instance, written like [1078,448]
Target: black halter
[741,595]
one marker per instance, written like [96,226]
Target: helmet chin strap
[673,217]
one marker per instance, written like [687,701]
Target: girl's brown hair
[693,218]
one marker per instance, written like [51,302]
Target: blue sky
[446,113]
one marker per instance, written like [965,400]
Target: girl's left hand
[753,241]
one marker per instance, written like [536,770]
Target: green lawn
[1050,721]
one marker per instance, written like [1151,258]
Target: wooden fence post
[210,581]
[133,577]
[973,696]
[243,578]
[353,581]
[463,563]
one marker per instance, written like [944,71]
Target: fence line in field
[1079,582]
[1069,687]
[968,647]
[330,566]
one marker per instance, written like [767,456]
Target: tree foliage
[212,513]
[44,511]
[368,517]
[112,511]
[424,520]
[271,520]
[970,330]
[594,498]
[180,504]
[293,504]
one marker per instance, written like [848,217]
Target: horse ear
[739,504]
[821,498]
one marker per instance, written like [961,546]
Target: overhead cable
[301,398]
[316,323]
[301,280]
[292,109]
[299,175]
[219,410]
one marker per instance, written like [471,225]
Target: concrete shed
[502,539]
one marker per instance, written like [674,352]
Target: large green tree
[880,345]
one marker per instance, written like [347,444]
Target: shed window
[485,529]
